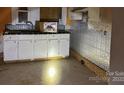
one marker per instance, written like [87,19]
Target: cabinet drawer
[53,36]
[10,37]
[40,36]
[26,37]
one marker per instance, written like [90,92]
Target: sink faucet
[29,22]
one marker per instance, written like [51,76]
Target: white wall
[14,15]
[33,14]
[64,16]
[91,44]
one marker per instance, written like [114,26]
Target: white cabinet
[25,49]
[20,47]
[40,48]
[64,47]
[53,48]
[10,50]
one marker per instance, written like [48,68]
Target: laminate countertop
[21,32]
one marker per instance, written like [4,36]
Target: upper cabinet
[97,14]
[48,13]
[20,15]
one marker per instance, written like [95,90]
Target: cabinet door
[50,13]
[25,49]
[53,47]
[64,47]
[40,48]
[10,50]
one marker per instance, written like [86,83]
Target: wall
[33,14]
[117,44]
[5,17]
[91,43]
[64,15]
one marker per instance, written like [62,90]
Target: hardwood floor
[61,72]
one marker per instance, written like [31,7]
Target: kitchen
[55,34]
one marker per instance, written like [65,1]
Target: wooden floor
[63,71]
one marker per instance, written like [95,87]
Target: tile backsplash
[92,43]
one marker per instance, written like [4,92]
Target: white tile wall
[91,43]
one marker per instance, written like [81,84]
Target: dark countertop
[21,32]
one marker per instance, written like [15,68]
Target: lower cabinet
[10,50]
[25,49]
[64,47]
[40,48]
[53,48]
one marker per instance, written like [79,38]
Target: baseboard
[93,67]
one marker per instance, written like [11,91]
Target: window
[22,14]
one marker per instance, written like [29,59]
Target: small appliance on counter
[61,27]
[46,26]
[25,26]
[19,28]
